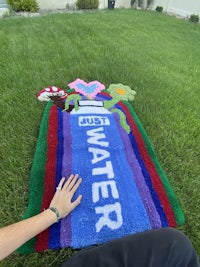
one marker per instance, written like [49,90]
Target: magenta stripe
[139,179]
[65,229]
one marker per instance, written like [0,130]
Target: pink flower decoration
[87,89]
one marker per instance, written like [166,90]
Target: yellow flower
[121,92]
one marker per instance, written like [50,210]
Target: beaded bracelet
[56,212]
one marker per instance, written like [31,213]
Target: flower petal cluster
[121,92]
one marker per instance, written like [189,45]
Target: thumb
[77,201]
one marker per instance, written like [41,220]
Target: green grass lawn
[155,54]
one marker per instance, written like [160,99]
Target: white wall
[118,4]
[61,4]
[181,7]
[122,3]
[53,4]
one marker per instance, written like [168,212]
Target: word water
[99,147]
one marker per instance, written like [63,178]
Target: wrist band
[56,212]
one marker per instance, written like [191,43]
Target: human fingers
[77,202]
[71,181]
[60,185]
[68,181]
[76,186]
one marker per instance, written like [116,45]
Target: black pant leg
[165,247]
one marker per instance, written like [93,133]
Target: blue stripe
[135,217]
[146,175]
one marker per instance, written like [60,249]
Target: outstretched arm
[13,236]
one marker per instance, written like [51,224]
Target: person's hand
[62,199]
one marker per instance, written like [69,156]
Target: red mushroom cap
[44,94]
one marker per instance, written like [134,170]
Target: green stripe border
[37,175]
